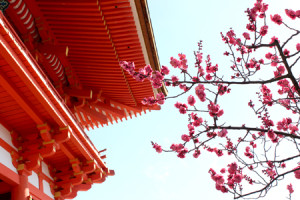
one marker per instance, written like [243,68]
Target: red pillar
[21,191]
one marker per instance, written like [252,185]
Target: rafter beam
[93,113]
[107,108]
[19,97]
[73,92]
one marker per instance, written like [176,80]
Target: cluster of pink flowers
[211,69]
[160,99]
[182,107]
[155,77]
[185,138]
[222,133]
[234,177]
[280,71]
[259,9]
[273,58]
[292,14]
[165,70]
[298,46]
[222,89]
[182,153]
[214,110]
[286,88]
[218,152]
[267,122]
[248,153]
[286,52]
[197,121]
[230,38]
[276,19]
[183,87]
[199,57]
[290,188]
[128,66]
[191,100]
[196,153]
[293,128]
[246,36]
[297,172]
[263,30]
[219,179]
[157,147]
[181,63]
[272,135]
[200,92]
[270,171]
[267,96]
[253,64]
[284,124]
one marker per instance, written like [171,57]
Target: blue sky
[141,173]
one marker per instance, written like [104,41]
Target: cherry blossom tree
[265,153]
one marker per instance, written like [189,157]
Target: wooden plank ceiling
[97,35]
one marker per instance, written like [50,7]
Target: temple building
[59,78]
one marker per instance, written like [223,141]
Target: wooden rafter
[20,98]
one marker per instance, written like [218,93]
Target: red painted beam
[20,99]
[73,92]
[93,113]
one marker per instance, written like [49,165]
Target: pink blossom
[297,173]
[232,168]
[277,19]
[290,13]
[298,47]
[149,101]
[177,147]
[290,188]
[268,56]
[182,153]
[196,154]
[197,122]
[222,133]
[148,69]
[165,70]
[271,134]
[214,110]
[238,178]
[127,66]
[263,30]
[223,170]
[182,107]
[208,77]
[250,27]
[174,62]
[293,128]
[246,36]
[219,152]
[185,138]
[160,98]
[191,100]
[200,92]
[286,52]
[273,40]
[157,147]
[174,79]
[199,57]
[156,79]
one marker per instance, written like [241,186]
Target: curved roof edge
[148,36]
